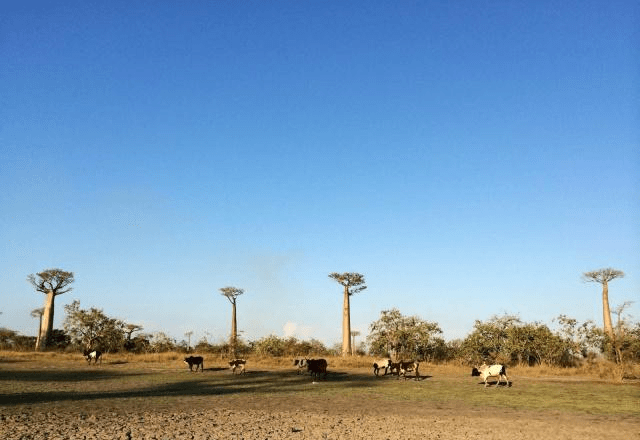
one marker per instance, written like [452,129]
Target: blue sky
[470,160]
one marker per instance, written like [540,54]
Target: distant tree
[354,333]
[352,283]
[93,329]
[488,340]
[624,336]
[37,313]
[603,276]
[7,338]
[188,335]
[232,294]
[161,343]
[129,343]
[51,282]
[404,336]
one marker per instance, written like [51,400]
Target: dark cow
[93,354]
[317,367]
[238,363]
[195,360]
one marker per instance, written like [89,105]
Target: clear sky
[470,160]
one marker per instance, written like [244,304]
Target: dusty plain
[62,397]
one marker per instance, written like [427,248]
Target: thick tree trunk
[606,312]
[346,324]
[46,326]
[234,330]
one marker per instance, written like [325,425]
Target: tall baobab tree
[51,282]
[37,313]
[354,333]
[188,335]
[603,276]
[353,283]
[232,293]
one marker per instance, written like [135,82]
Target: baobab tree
[188,335]
[353,283]
[354,333]
[232,294]
[51,282]
[603,276]
[37,313]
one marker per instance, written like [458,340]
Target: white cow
[487,371]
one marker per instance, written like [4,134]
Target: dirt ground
[251,416]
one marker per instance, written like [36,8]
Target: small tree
[93,329]
[353,283]
[232,294]
[404,336]
[51,282]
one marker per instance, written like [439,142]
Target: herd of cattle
[318,367]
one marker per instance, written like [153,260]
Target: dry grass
[596,370]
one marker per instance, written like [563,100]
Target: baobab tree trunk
[46,325]
[346,324]
[39,332]
[234,329]
[606,312]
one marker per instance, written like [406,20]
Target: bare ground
[70,413]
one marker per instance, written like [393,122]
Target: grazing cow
[300,363]
[93,354]
[407,366]
[198,361]
[401,368]
[237,363]
[381,364]
[487,371]
[316,367]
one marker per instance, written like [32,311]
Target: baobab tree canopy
[602,275]
[56,281]
[231,293]
[352,281]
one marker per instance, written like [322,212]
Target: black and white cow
[237,363]
[487,371]
[301,363]
[198,361]
[381,364]
[95,355]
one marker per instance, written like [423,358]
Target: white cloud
[291,329]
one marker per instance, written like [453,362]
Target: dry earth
[294,416]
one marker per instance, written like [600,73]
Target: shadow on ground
[72,386]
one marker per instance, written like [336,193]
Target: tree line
[504,339]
